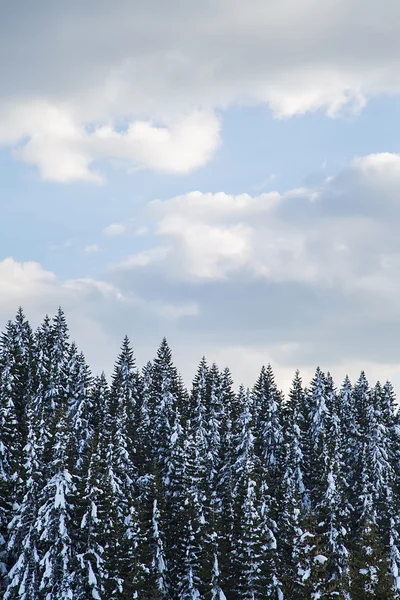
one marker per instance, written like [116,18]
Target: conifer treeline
[142,489]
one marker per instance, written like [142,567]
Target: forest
[139,487]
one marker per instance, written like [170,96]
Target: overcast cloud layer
[100,91]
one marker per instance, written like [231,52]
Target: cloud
[86,302]
[384,163]
[304,277]
[97,311]
[114,229]
[143,84]
[338,233]
[186,145]
[64,149]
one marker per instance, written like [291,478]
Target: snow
[193,465]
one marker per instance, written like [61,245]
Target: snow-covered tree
[23,578]
[293,504]
[163,400]
[268,431]
[82,412]
[51,350]
[54,522]
[92,569]
[372,557]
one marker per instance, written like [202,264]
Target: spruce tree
[51,349]
[293,505]
[220,534]
[164,400]
[54,518]
[124,401]
[371,552]
[16,389]
[253,541]
[268,443]
[80,407]
[140,490]
[268,429]
[11,445]
[92,569]
[331,513]
[23,578]
[318,418]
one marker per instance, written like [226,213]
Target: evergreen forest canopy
[143,489]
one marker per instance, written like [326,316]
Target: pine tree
[350,447]
[81,409]
[92,571]
[23,578]
[54,519]
[253,541]
[220,537]
[268,431]
[215,415]
[252,545]
[144,432]
[11,445]
[51,349]
[22,358]
[16,388]
[268,426]
[199,400]
[293,504]
[318,417]
[123,406]
[332,510]
[126,391]
[158,564]
[192,533]
[371,554]
[140,490]
[369,561]
[361,401]
[392,423]
[18,368]
[164,399]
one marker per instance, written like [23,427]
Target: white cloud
[29,281]
[211,236]
[183,146]
[380,164]
[64,148]
[141,84]
[208,251]
[114,229]
[326,235]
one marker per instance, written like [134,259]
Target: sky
[222,173]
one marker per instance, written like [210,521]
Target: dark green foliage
[138,489]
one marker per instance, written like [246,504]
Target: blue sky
[227,175]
